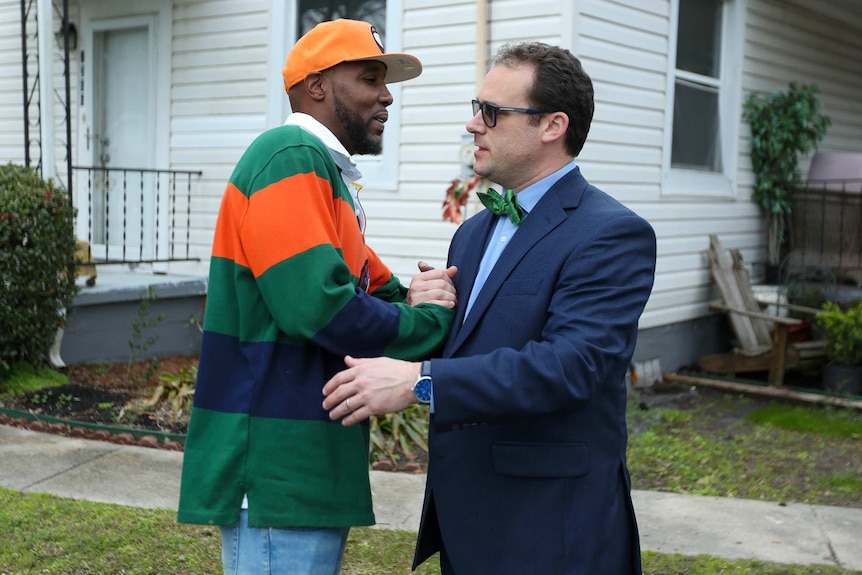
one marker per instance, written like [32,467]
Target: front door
[119,137]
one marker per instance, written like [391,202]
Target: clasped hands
[433,286]
[374,386]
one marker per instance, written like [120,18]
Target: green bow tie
[505,205]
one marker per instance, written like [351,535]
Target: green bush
[843,333]
[37,264]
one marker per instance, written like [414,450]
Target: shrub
[37,264]
[843,333]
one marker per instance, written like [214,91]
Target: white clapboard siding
[220,88]
[786,43]
[218,97]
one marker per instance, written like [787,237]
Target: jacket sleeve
[557,332]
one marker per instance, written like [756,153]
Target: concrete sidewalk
[798,534]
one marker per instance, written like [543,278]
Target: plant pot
[842,378]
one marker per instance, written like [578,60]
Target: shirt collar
[530,196]
[337,150]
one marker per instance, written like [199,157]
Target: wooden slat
[730,363]
[761,328]
[722,272]
[757,314]
[771,391]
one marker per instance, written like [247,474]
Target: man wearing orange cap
[293,289]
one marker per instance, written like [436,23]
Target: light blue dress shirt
[504,229]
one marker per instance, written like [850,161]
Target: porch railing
[135,215]
[825,228]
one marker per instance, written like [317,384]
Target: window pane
[698,45]
[695,128]
[312,12]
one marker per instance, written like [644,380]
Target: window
[299,16]
[703,114]
[312,12]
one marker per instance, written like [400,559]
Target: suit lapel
[472,246]
[549,213]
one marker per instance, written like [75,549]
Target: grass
[727,446]
[733,448]
[60,536]
[826,421]
[24,378]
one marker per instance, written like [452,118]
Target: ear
[315,86]
[556,124]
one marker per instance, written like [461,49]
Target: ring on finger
[347,404]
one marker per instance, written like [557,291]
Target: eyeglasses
[489,111]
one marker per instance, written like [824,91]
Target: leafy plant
[783,125]
[393,434]
[37,265]
[177,389]
[842,342]
[139,344]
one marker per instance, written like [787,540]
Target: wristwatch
[422,387]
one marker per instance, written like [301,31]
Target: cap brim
[399,67]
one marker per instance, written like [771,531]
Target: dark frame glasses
[489,111]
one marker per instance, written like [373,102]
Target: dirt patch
[112,394]
[109,394]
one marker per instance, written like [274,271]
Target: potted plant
[842,343]
[783,125]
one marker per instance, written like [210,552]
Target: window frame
[379,172]
[697,183]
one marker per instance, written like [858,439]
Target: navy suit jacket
[527,469]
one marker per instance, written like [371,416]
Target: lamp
[72,30]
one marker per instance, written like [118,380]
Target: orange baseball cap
[336,41]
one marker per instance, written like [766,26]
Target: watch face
[422,389]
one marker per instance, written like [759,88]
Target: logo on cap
[376,37]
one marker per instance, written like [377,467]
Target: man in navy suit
[527,470]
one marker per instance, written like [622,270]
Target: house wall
[218,98]
[807,42]
[623,46]
[219,103]
[11,128]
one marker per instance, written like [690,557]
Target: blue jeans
[269,551]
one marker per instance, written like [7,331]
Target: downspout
[45,20]
[481,41]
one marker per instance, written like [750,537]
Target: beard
[359,139]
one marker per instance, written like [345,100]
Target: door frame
[101,15]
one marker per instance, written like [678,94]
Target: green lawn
[727,446]
[46,534]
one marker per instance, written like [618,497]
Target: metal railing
[136,215]
[825,228]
